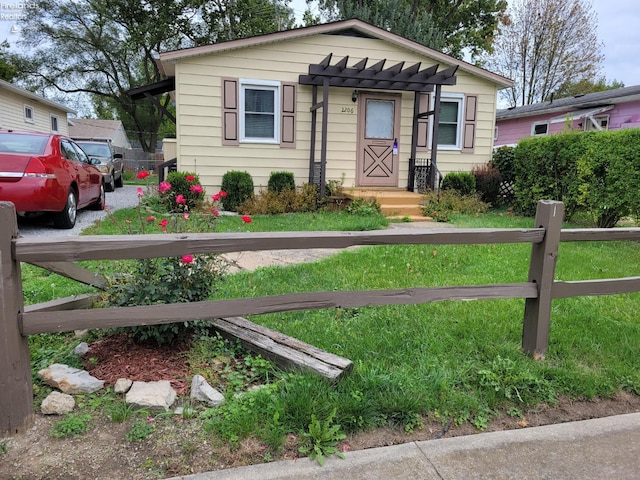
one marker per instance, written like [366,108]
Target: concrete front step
[398,203]
[400,209]
[410,218]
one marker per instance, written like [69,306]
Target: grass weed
[73,424]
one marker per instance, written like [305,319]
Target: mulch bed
[118,356]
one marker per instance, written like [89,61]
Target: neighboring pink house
[608,110]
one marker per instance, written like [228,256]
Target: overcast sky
[618,30]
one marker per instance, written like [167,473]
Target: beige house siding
[198,99]
[12,113]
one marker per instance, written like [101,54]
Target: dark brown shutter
[230,111]
[469,131]
[288,114]
[423,123]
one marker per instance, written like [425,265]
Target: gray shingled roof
[86,128]
[568,104]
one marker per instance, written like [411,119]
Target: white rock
[57,403]
[81,333]
[81,349]
[122,385]
[153,395]
[69,379]
[201,390]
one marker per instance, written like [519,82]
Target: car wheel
[119,181]
[101,201]
[111,186]
[67,217]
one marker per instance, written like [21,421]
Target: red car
[48,173]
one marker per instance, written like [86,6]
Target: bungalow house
[24,111]
[91,129]
[337,100]
[608,110]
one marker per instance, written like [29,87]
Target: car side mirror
[117,155]
[94,161]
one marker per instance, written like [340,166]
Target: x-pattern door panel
[378,118]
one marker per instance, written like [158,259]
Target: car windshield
[96,149]
[21,143]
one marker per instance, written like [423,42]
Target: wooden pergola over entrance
[375,77]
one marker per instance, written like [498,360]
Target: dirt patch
[180,447]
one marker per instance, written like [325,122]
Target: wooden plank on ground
[284,351]
[75,272]
[85,300]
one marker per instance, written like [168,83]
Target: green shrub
[333,188]
[503,161]
[441,205]
[239,188]
[488,181]
[300,200]
[364,206]
[463,182]
[609,175]
[546,169]
[186,193]
[164,280]
[598,172]
[279,181]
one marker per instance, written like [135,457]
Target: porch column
[314,116]
[414,142]
[434,139]
[323,148]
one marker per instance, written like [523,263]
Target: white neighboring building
[24,111]
[99,130]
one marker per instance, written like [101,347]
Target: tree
[104,48]
[392,16]
[462,25]
[583,87]
[545,46]
[7,70]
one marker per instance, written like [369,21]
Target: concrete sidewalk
[603,448]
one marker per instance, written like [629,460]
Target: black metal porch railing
[422,175]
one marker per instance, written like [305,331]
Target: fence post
[537,311]
[16,384]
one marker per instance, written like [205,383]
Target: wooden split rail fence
[59,253]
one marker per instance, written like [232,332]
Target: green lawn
[454,360]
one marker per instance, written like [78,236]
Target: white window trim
[33,114]
[450,97]
[590,127]
[57,129]
[495,133]
[268,85]
[533,129]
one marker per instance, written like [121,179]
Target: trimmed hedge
[279,181]
[462,182]
[239,188]
[598,172]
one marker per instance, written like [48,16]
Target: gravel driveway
[43,226]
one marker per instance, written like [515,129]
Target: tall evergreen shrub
[239,188]
[279,181]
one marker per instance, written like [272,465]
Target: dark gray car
[111,163]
